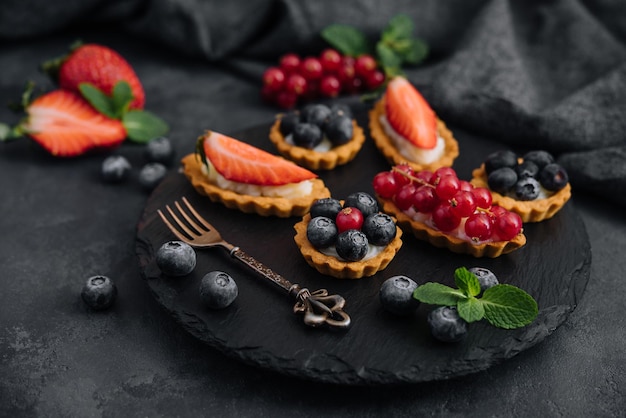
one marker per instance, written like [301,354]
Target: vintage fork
[318,307]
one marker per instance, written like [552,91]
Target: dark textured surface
[60,224]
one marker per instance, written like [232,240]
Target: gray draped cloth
[532,74]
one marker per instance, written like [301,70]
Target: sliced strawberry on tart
[406,129]
[244,177]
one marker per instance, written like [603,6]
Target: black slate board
[379,348]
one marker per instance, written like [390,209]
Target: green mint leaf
[142,126]
[121,96]
[389,59]
[438,294]
[96,97]
[416,52]
[470,309]
[399,27]
[508,307]
[346,39]
[466,281]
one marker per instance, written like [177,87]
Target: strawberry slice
[410,114]
[237,161]
[67,126]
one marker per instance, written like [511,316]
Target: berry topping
[500,159]
[446,325]
[115,168]
[316,114]
[352,245]
[99,292]
[307,135]
[341,109]
[502,179]
[176,258]
[379,228]
[288,122]
[362,201]
[527,188]
[486,277]
[526,169]
[396,295]
[328,207]
[540,157]
[218,290]
[349,218]
[321,232]
[339,129]
[553,177]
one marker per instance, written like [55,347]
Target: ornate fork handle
[318,307]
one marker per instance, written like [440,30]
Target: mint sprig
[503,305]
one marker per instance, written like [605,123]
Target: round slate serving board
[259,328]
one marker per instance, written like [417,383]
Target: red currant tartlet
[448,212]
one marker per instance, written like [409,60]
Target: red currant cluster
[450,202]
[328,75]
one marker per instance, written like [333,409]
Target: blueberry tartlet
[533,186]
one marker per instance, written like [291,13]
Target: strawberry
[244,163]
[67,126]
[410,114]
[98,65]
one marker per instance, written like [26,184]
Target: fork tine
[172,227]
[181,224]
[188,218]
[200,219]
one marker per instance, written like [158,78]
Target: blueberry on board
[99,292]
[364,202]
[540,157]
[321,232]
[379,228]
[151,175]
[527,188]
[396,295]
[527,169]
[307,135]
[218,290]
[502,180]
[339,129]
[486,277]
[115,168]
[352,245]
[160,150]
[446,325]
[176,258]
[553,177]
[328,207]
[499,159]
[317,114]
[341,109]
[288,122]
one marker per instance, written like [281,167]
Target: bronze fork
[318,307]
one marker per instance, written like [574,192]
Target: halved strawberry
[67,126]
[410,114]
[237,161]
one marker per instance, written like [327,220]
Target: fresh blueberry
[160,150]
[362,201]
[341,109]
[527,188]
[527,169]
[540,157]
[317,114]
[99,292]
[339,129]
[352,245]
[553,177]
[218,290]
[176,258]
[502,180]
[486,277]
[321,232]
[379,228]
[288,122]
[446,325]
[499,159]
[307,135]
[328,207]
[396,295]
[151,175]
[115,168]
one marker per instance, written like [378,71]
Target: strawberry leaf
[98,99]
[142,126]
[121,98]
[347,39]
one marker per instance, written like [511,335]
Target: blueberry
[321,232]
[99,292]
[502,180]
[288,122]
[352,245]
[341,109]
[446,325]
[486,277]
[396,295]
[307,135]
[527,188]
[317,114]
[499,159]
[151,175]
[327,206]
[176,258]
[539,157]
[362,201]
[115,168]
[379,228]
[339,129]
[553,177]
[527,169]
[218,290]
[160,150]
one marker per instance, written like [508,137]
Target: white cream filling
[410,151]
[323,146]
[288,191]
[372,251]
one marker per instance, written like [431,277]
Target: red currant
[465,186]
[286,99]
[290,63]
[478,226]
[364,65]
[425,200]
[403,174]
[404,197]
[349,218]
[423,176]
[274,78]
[330,60]
[440,173]
[311,68]
[482,197]
[296,83]
[444,218]
[345,72]
[507,225]
[385,185]
[375,79]
[330,86]
[463,203]
[447,187]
